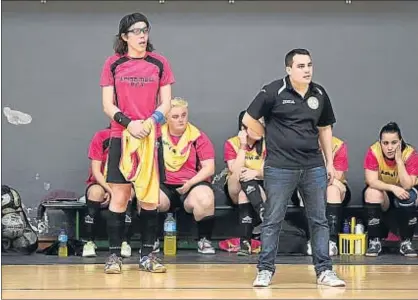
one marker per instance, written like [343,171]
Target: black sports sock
[407,220]
[128,229]
[333,213]
[374,220]
[148,222]
[205,227]
[245,220]
[93,209]
[252,191]
[115,228]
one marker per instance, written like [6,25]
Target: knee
[206,200]
[242,198]
[233,190]
[96,193]
[373,196]
[164,203]
[119,200]
[334,194]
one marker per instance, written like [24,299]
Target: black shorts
[114,174]
[391,196]
[226,191]
[176,199]
[295,200]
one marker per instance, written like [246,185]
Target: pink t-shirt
[137,83]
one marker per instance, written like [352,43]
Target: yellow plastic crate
[352,244]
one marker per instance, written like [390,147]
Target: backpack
[17,232]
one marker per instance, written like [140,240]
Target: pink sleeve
[229,152]
[370,161]
[96,148]
[204,148]
[106,78]
[411,164]
[167,76]
[341,159]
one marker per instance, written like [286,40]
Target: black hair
[288,60]
[392,127]
[258,144]
[120,46]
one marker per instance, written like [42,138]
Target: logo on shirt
[136,81]
[313,103]
[288,102]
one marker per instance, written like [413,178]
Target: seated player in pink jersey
[187,162]
[244,155]
[98,194]
[338,196]
[390,197]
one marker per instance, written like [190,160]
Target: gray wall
[364,54]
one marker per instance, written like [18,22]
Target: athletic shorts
[176,199]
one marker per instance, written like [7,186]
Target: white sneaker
[333,249]
[263,278]
[156,247]
[309,248]
[204,246]
[125,250]
[330,278]
[89,249]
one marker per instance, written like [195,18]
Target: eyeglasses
[138,31]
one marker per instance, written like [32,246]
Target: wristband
[121,119]
[158,117]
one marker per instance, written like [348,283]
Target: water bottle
[170,239]
[346,227]
[63,239]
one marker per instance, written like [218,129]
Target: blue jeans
[279,185]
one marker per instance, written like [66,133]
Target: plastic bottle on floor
[170,238]
[63,248]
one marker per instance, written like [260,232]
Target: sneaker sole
[113,271]
[243,254]
[89,255]
[203,252]
[154,271]
[260,285]
[372,254]
[330,285]
[409,255]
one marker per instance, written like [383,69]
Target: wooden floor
[204,281]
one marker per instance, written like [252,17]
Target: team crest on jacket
[313,103]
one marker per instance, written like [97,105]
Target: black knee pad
[406,204]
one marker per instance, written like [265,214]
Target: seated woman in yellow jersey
[245,156]
[187,162]
[338,196]
[391,170]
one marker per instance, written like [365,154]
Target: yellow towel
[138,165]
[176,155]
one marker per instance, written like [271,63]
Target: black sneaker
[245,248]
[375,247]
[113,265]
[406,249]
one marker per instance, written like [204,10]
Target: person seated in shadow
[187,163]
[338,196]
[98,194]
[244,155]
[390,195]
